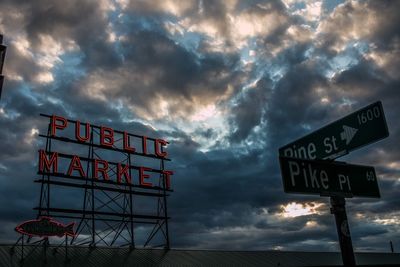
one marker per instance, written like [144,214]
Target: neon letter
[159,151]
[144,144]
[143,176]
[167,177]
[44,163]
[127,142]
[78,130]
[55,126]
[76,165]
[123,170]
[106,136]
[102,170]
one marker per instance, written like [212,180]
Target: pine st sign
[360,128]
[328,178]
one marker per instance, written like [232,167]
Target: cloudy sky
[227,83]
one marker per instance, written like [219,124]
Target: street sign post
[338,208]
[360,128]
[328,178]
[307,166]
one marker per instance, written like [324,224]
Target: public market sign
[360,128]
[71,166]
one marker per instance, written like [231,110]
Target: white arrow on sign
[348,133]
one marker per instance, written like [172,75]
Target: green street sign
[360,128]
[328,178]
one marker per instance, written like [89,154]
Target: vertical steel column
[66,248]
[131,204]
[86,195]
[48,177]
[44,200]
[93,220]
[42,184]
[22,250]
[165,205]
[339,210]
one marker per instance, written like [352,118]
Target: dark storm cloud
[82,21]
[247,112]
[162,8]
[365,83]
[159,69]
[375,22]
[179,71]
[295,104]
[19,118]
[215,11]
[216,181]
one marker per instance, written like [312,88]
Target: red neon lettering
[127,143]
[123,170]
[78,130]
[44,163]
[76,165]
[158,150]
[143,176]
[106,136]
[167,177]
[144,144]
[54,125]
[103,170]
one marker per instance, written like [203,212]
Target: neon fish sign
[45,227]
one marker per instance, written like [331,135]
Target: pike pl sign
[360,128]
[328,178]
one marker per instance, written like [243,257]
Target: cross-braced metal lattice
[108,215]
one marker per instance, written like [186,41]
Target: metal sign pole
[3,49]
[339,210]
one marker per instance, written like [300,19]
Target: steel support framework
[107,216]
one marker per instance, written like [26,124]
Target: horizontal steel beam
[62,175]
[116,214]
[104,188]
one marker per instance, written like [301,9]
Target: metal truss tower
[108,215]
